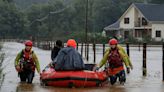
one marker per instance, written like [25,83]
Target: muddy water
[135,81]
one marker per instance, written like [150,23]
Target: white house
[140,20]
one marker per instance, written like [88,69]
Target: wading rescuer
[25,63]
[115,56]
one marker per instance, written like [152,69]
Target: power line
[45,17]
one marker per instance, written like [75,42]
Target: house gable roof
[132,5]
[152,12]
[114,26]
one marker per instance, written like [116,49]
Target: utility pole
[86,20]
[86,30]
[49,21]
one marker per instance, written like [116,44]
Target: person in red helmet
[68,58]
[25,63]
[115,57]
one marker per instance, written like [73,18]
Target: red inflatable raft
[84,78]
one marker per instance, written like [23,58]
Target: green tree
[157,1]
[11,20]
[54,18]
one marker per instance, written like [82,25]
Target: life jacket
[114,59]
[27,62]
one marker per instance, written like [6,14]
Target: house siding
[157,27]
[139,25]
[130,15]
[137,22]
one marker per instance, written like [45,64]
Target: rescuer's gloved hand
[128,70]
[18,69]
[96,68]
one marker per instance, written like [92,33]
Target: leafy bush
[2,55]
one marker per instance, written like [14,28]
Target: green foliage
[157,1]
[24,4]
[79,36]
[51,23]
[97,38]
[11,20]
[131,39]
[147,38]
[60,19]
[1,45]
[2,56]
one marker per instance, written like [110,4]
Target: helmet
[28,43]
[72,43]
[113,42]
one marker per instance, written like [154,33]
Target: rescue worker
[25,63]
[116,57]
[58,45]
[68,58]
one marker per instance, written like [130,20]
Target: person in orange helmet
[68,58]
[25,63]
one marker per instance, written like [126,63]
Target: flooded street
[135,81]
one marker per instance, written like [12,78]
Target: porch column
[133,33]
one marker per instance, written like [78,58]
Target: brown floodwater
[135,81]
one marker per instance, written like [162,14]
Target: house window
[144,22]
[158,33]
[126,20]
[139,22]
